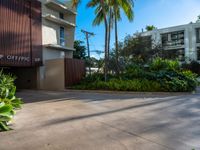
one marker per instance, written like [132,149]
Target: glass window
[173,39]
[198,53]
[198,35]
[174,54]
[61,15]
[62,36]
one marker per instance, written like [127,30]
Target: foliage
[122,85]
[194,66]
[150,27]
[159,75]
[8,101]
[139,48]
[164,64]
[80,52]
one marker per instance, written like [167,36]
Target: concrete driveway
[105,121]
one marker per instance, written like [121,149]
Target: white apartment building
[58,29]
[183,42]
[36,40]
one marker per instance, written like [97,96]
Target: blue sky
[160,13]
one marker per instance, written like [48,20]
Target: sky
[160,13]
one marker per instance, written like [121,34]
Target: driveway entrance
[105,121]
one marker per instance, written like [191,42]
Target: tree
[80,52]
[127,7]
[112,9]
[139,48]
[102,6]
[150,27]
[198,19]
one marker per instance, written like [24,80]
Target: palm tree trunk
[106,40]
[109,32]
[116,43]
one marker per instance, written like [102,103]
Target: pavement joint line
[135,134]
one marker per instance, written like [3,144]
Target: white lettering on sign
[37,59]
[1,56]
[15,58]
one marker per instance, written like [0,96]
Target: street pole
[87,35]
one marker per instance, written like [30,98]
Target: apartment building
[36,36]
[182,42]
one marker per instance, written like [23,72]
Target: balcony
[58,6]
[58,20]
[58,47]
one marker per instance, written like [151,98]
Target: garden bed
[160,76]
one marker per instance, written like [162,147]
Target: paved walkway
[97,121]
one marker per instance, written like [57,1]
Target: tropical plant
[194,66]
[80,52]
[150,27]
[102,4]
[107,11]
[113,9]
[139,48]
[160,75]
[127,7]
[8,101]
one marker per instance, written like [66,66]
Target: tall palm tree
[101,15]
[99,18]
[150,27]
[113,10]
[127,7]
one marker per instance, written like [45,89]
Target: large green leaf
[5,109]
[3,126]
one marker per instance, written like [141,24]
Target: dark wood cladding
[36,30]
[74,71]
[20,33]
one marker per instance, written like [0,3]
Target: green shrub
[160,75]
[164,64]
[122,85]
[194,66]
[8,102]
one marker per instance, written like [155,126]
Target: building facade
[35,38]
[182,42]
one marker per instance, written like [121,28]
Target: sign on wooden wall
[20,33]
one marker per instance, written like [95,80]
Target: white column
[187,43]
[194,43]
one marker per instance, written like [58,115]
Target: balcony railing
[58,6]
[58,20]
[59,47]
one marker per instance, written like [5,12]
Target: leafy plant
[194,66]
[159,75]
[9,103]
[164,64]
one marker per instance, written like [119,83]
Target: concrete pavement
[105,121]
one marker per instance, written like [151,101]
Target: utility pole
[87,35]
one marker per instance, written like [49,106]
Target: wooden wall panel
[74,71]
[36,30]
[17,29]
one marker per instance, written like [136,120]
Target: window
[174,54]
[198,35]
[198,53]
[61,15]
[173,39]
[62,36]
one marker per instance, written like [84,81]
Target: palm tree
[101,12]
[127,7]
[150,27]
[100,19]
[113,8]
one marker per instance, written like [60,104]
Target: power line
[87,35]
